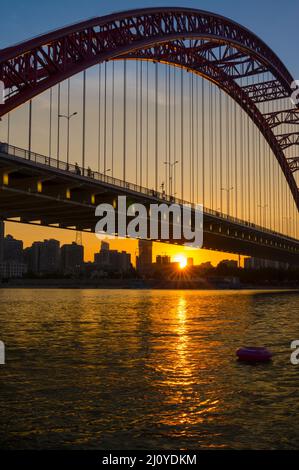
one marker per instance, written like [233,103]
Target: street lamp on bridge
[171,170]
[68,117]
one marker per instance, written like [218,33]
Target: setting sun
[182,260]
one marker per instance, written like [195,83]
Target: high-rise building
[32,256]
[1,240]
[125,261]
[228,263]
[102,259]
[43,257]
[105,246]
[11,256]
[72,257]
[112,260]
[12,269]
[163,259]
[145,255]
[49,261]
[12,249]
[258,263]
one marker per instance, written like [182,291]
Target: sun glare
[182,260]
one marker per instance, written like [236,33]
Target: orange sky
[207,189]
[209,192]
[29,234]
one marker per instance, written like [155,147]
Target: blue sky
[275,21]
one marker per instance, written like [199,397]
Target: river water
[141,369]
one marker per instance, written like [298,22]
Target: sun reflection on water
[181,373]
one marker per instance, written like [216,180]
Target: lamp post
[227,201]
[105,172]
[68,117]
[171,169]
[30,129]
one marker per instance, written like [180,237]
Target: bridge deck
[36,189]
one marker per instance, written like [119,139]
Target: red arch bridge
[161,104]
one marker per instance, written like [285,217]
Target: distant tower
[79,238]
[105,245]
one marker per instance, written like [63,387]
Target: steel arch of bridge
[160,34]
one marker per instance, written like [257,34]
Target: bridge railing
[95,175]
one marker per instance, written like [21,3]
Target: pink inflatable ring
[254,354]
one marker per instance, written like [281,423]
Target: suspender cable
[50,122]
[68,124]
[190,133]
[8,127]
[99,118]
[241,176]
[156,126]
[30,128]
[192,136]
[227,126]
[244,164]
[174,131]
[58,122]
[203,138]
[141,123]
[220,150]
[169,125]
[112,119]
[83,121]
[254,166]
[236,159]
[8,124]
[166,161]
[197,139]
[211,143]
[105,117]
[124,118]
[265,172]
[136,121]
[260,177]
[248,165]
[182,134]
[273,199]
[147,115]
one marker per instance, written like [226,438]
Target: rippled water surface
[122,369]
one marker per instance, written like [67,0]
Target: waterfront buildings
[72,258]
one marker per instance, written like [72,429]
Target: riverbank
[140,284]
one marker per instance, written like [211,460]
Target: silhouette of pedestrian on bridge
[77,169]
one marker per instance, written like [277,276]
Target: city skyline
[48,257]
